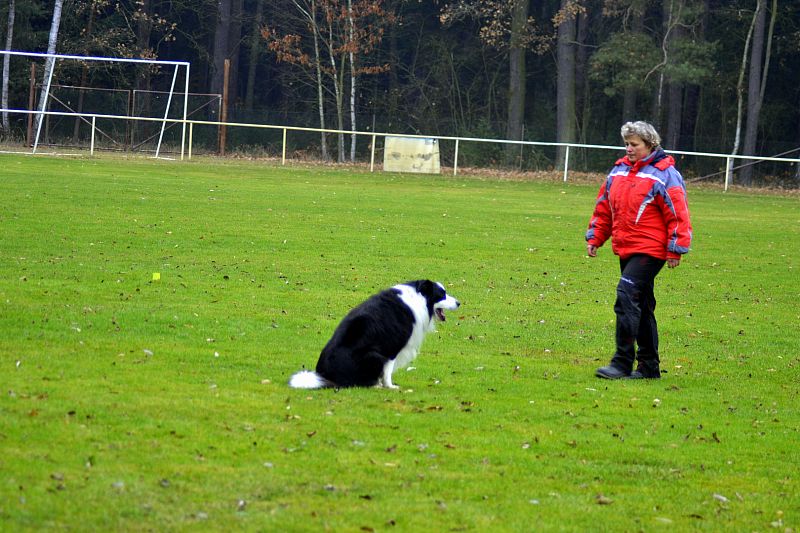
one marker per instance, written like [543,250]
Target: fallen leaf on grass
[603,500]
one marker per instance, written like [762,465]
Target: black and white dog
[382,334]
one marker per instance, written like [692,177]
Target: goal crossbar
[48,82]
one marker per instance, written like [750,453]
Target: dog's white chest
[422,325]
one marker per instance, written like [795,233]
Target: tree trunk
[309,12]
[76,128]
[392,100]
[143,101]
[670,16]
[797,153]
[692,110]
[49,65]
[516,78]
[255,41]
[352,37]
[221,39]
[7,62]
[565,84]
[757,81]
[234,43]
[583,100]
[740,92]
[320,91]
[673,30]
[582,75]
[337,76]
[629,98]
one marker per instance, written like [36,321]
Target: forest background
[714,76]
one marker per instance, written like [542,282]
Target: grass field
[131,403]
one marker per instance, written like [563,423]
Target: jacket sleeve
[676,215]
[600,224]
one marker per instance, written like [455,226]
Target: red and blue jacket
[642,208]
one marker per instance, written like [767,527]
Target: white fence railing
[186,142]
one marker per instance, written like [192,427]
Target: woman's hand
[591,250]
[672,263]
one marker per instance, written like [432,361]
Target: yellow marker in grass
[156,276]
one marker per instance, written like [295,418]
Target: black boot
[647,365]
[612,372]
[645,371]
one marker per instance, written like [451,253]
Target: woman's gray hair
[643,130]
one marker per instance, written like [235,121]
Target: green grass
[131,404]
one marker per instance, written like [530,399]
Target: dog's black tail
[308,379]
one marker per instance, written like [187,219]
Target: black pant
[635,308]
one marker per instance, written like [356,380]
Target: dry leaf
[604,500]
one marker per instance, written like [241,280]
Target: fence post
[455,160]
[566,163]
[223,129]
[31,103]
[191,133]
[372,155]
[91,143]
[283,153]
[728,164]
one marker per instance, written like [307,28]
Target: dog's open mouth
[440,314]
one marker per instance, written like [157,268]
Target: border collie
[382,334]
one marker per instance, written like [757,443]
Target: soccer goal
[43,102]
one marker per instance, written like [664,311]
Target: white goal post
[41,111]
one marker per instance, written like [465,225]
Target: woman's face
[636,148]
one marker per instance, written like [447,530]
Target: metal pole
[43,105]
[283,155]
[566,163]
[166,112]
[372,155]
[191,129]
[91,143]
[455,160]
[728,165]
[31,103]
[185,107]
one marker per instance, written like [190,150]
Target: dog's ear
[426,287]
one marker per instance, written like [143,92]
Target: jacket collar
[658,158]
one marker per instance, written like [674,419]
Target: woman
[642,208]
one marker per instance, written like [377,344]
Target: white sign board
[401,154]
